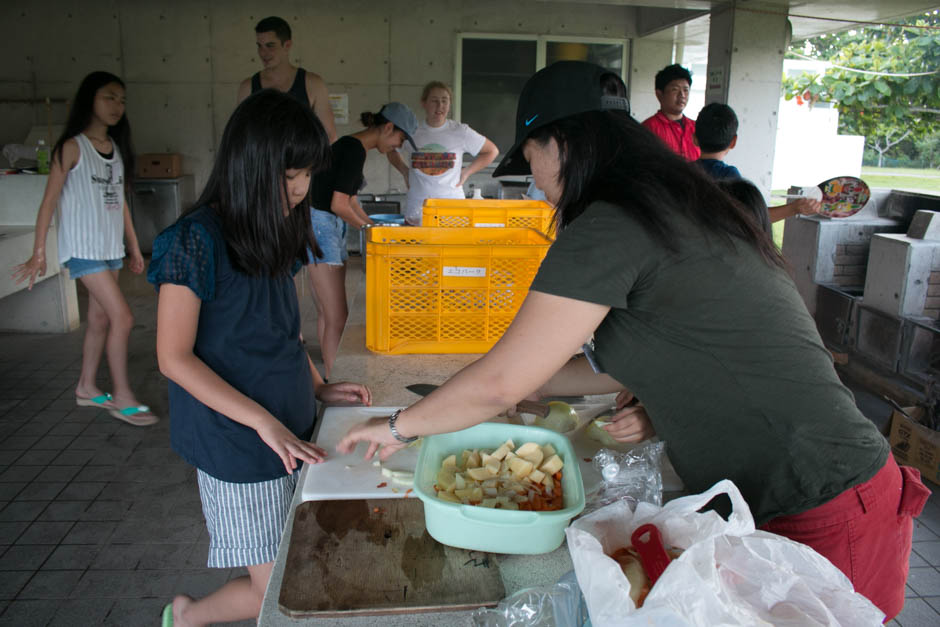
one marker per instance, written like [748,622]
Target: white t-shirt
[437,163]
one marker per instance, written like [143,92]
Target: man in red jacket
[669,124]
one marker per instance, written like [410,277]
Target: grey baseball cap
[403,119]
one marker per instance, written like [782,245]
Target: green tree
[929,149]
[895,98]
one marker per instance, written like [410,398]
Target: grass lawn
[908,179]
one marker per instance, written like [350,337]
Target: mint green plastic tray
[496,530]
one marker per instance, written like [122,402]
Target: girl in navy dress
[243,391]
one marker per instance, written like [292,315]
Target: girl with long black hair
[92,163]
[243,391]
[691,308]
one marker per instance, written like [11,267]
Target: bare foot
[180,604]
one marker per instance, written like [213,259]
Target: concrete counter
[387,376]
[52,304]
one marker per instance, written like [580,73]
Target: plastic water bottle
[42,157]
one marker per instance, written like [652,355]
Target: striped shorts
[245,520]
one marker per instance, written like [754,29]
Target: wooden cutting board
[373,557]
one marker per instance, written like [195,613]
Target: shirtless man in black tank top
[274,42]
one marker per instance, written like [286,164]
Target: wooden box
[167,165]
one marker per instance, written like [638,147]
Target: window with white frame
[492,68]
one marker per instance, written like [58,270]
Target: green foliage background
[898,115]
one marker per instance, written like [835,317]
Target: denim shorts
[80,267]
[330,231]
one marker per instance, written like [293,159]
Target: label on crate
[493,224]
[469,271]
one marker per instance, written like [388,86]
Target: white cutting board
[347,477]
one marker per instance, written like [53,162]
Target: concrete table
[387,376]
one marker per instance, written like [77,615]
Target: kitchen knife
[529,407]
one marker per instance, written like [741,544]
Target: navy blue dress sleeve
[184,254]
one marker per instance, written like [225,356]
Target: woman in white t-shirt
[435,168]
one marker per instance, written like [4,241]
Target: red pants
[866,532]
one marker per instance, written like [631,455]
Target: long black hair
[746,193]
[609,156]
[83,108]
[268,133]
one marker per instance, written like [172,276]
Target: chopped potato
[446,479]
[504,448]
[493,465]
[527,449]
[447,496]
[481,474]
[474,460]
[552,465]
[520,468]
[508,478]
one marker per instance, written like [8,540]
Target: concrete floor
[100,522]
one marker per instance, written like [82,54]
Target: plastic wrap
[18,152]
[632,476]
[558,605]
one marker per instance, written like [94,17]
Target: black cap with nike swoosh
[563,88]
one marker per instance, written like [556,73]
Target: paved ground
[100,522]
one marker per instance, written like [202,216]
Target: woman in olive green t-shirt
[691,309]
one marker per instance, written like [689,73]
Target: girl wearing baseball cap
[335,205]
[692,310]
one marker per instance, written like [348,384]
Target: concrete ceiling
[808,17]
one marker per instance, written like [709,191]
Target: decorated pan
[843,196]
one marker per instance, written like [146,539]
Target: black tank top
[298,90]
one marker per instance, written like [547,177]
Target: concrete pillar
[745,65]
[646,58]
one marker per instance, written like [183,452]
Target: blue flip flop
[98,401]
[129,415]
[167,616]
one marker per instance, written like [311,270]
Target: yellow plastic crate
[488,212]
[446,290]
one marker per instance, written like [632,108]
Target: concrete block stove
[872,281]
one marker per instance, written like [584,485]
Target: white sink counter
[52,304]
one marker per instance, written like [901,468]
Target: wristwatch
[391,425]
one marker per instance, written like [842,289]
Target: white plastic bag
[728,574]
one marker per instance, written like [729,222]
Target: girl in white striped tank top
[86,182]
